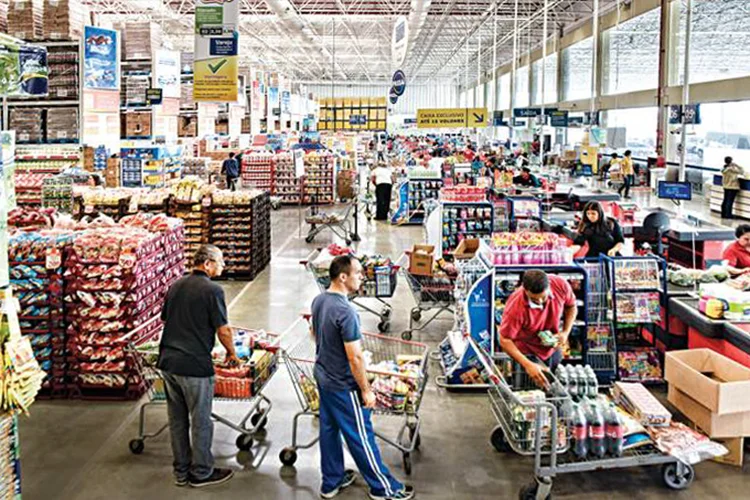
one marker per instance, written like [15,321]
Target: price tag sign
[53,259]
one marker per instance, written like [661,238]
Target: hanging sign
[452,118]
[216,50]
[558,118]
[692,114]
[393,96]
[100,59]
[167,72]
[527,112]
[154,96]
[590,118]
[400,40]
[399,82]
[497,119]
[286,102]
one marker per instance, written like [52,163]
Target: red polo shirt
[521,323]
[737,256]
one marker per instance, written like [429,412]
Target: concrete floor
[79,450]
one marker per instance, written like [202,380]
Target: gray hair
[206,252]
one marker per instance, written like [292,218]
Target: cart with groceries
[380,280]
[397,372]
[569,427]
[320,219]
[433,293]
[245,383]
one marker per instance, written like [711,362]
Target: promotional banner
[167,72]
[273,98]
[101,59]
[286,102]
[216,50]
[256,95]
[452,118]
[400,40]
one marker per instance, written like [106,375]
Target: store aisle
[79,450]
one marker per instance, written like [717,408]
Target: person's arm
[219,321]
[357,364]
[618,238]
[509,329]
[226,337]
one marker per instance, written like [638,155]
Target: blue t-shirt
[335,322]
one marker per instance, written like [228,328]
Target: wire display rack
[601,344]
[299,357]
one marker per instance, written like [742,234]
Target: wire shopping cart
[300,361]
[540,425]
[430,293]
[247,389]
[381,284]
[338,223]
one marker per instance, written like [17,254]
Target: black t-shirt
[193,310]
[600,242]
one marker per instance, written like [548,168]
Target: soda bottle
[615,432]
[597,444]
[580,432]
[583,389]
[572,383]
[593,383]
[562,375]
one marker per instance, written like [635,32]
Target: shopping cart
[145,349]
[299,359]
[539,427]
[338,223]
[430,293]
[381,285]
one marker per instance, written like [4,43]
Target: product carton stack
[64,19]
[112,173]
[4,16]
[712,391]
[26,19]
[141,40]
[62,124]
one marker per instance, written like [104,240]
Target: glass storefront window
[631,54]
[522,87]
[550,75]
[719,42]
[503,91]
[636,126]
[577,61]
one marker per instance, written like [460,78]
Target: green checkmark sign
[217,67]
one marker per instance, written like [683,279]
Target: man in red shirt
[539,305]
[737,254]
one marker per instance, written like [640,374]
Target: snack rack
[601,343]
[639,298]
[541,427]
[299,358]
[461,220]
[258,170]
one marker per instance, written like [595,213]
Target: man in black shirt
[231,169]
[194,314]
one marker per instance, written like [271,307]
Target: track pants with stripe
[342,413]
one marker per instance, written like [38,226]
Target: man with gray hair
[194,314]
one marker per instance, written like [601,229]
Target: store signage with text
[452,118]
[216,50]
[154,96]
[400,40]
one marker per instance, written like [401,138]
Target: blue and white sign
[399,83]
[393,96]
[399,40]
[101,59]
[527,112]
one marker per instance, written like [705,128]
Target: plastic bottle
[615,432]
[597,443]
[580,432]
[572,383]
[241,345]
[583,386]
[562,375]
[593,383]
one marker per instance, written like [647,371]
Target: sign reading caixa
[452,118]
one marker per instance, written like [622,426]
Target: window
[503,91]
[550,75]
[631,55]
[639,128]
[577,61]
[522,88]
[719,42]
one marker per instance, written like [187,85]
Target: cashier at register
[542,303]
[526,179]
[737,254]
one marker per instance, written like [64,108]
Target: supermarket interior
[297,249]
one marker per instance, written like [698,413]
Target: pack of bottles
[596,430]
[579,381]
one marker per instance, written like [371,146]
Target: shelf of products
[286,182]
[34,164]
[319,180]
[464,220]
[370,113]
[258,170]
[421,190]
[149,165]
[57,192]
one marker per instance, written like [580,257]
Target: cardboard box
[713,380]
[715,425]
[136,124]
[421,260]
[466,249]
[736,447]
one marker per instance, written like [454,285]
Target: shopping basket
[248,390]
[537,423]
[431,293]
[378,286]
[299,359]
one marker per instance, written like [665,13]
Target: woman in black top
[603,234]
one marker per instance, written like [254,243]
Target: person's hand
[562,339]
[232,360]
[368,400]
[536,373]
[612,253]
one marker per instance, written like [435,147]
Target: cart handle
[128,336]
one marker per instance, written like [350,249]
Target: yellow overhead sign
[452,118]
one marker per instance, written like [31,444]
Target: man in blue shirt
[346,399]
[231,168]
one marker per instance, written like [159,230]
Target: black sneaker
[217,477]
[181,482]
[406,494]
[349,478]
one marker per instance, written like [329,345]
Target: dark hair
[601,226]
[628,153]
[340,265]
[535,281]
[526,170]
[728,160]
[231,155]
[614,155]
[742,229]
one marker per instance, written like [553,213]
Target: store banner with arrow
[216,51]
[452,118]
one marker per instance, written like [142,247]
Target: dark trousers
[727,205]
[232,183]
[383,200]
[629,179]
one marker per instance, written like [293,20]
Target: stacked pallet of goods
[190,202]
[319,178]
[258,170]
[285,180]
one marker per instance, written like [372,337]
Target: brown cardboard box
[112,173]
[421,260]
[64,19]
[736,455]
[26,19]
[466,249]
[136,124]
[187,126]
[715,425]
[713,380]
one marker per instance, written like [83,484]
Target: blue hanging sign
[393,96]
[399,83]
[558,119]
[527,112]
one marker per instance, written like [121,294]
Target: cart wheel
[677,477]
[416,315]
[528,492]
[309,238]
[288,456]
[348,242]
[386,312]
[259,420]
[407,463]
[384,326]
[498,440]
[136,446]
[244,442]
[406,335]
